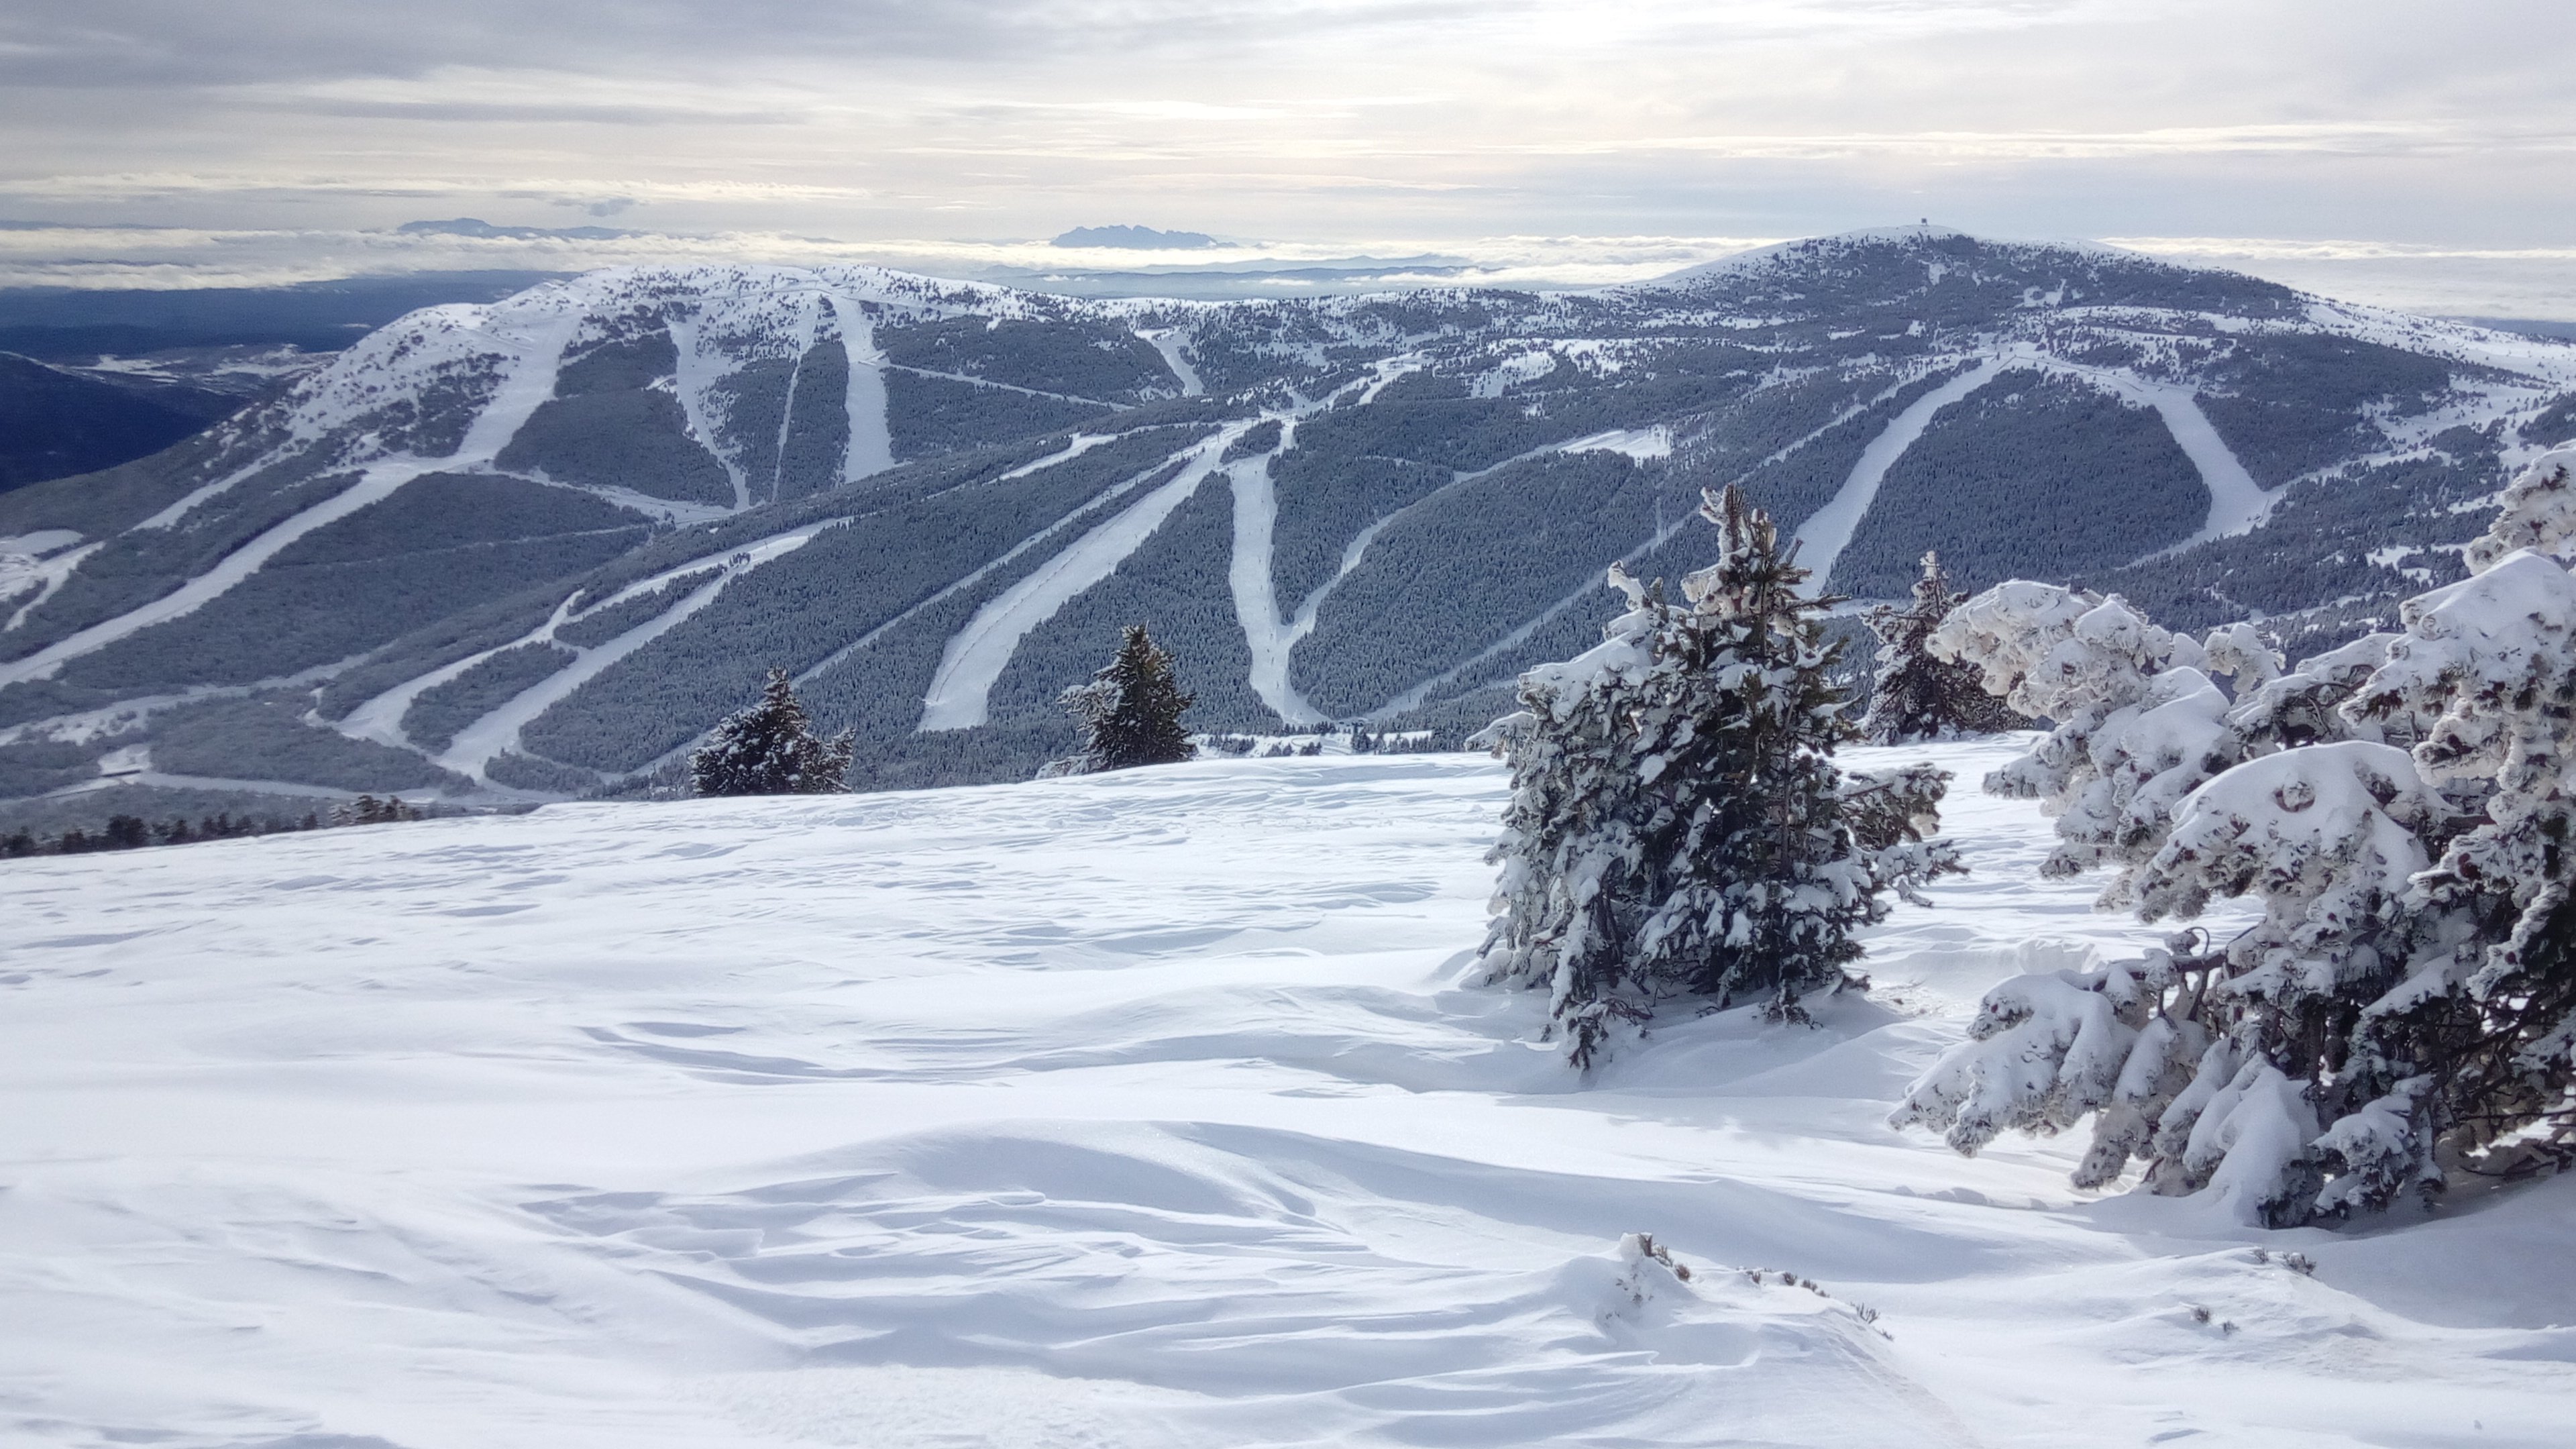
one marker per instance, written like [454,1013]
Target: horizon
[2518,285]
[2388,152]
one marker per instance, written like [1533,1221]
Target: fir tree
[1130,712]
[1677,827]
[770,748]
[1917,695]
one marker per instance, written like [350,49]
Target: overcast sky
[2421,129]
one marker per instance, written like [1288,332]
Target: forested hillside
[538,547]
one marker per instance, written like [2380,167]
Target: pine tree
[1130,712]
[1917,695]
[770,748]
[1677,826]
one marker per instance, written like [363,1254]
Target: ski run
[1157,1108]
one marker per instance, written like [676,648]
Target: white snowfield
[1149,1109]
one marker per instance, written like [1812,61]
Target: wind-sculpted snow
[1137,1110]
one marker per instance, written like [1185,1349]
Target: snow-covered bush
[770,748]
[2304,706]
[1916,696]
[2537,512]
[2139,723]
[2486,1007]
[1895,816]
[1130,712]
[2408,998]
[1677,827]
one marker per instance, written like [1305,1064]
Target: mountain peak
[1135,238]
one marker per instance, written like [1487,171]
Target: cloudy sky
[2410,144]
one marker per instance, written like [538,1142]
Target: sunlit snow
[1155,1108]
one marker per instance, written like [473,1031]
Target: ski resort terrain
[533,549]
[1156,1108]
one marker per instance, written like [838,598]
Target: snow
[1131,1110]
[1167,341]
[2237,504]
[871,445]
[1824,535]
[33,565]
[1640,444]
[529,381]
[377,482]
[39,543]
[1254,584]
[977,653]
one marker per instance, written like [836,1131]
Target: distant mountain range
[1135,237]
[536,547]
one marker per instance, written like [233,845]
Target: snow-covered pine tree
[770,748]
[1676,827]
[1130,712]
[2384,1017]
[1918,696]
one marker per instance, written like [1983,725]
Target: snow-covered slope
[1373,507]
[1132,1110]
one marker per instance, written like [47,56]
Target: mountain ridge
[1355,507]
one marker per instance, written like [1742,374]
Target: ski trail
[531,382]
[975,657]
[949,591]
[49,576]
[380,719]
[2237,504]
[1824,535]
[1167,341]
[1085,509]
[377,481]
[1075,447]
[696,381]
[1256,597]
[1352,553]
[871,448]
[1256,515]
[475,746]
[196,496]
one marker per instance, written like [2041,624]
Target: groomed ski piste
[1160,1108]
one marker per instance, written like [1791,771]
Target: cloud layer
[1324,121]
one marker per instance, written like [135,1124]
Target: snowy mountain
[539,546]
[1139,1110]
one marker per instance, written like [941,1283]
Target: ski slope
[1151,1109]
[1821,539]
[975,656]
